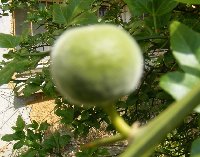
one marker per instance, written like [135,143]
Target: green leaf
[189,1]
[18,145]
[30,153]
[85,18]
[60,15]
[75,7]
[6,73]
[178,84]
[9,137]
[20,124]
[49,143]
[9,41]
[30,135]
[66,14]
[30,89]
[157,13]
[195,150]
[49,88]
[66,114]
[186,47]
[44,126]
[33,125]
[153,7]
[164,6]
[64,140]
[18,64]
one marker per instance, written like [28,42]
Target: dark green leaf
[64,140]
[44,126]
[30,89]
[168,59]
[20,134]
[52,141]
[66,114]
[18,145]
[85,18]
[186,47]
[195,151]
[60,14]
[6,73]
[31,135]
[20,124]
[153,7]
[30,153]
[49,89]
[85,115]
[189,1]
[33,125]
[65,14]
[164,6]
[9,137]
[8,41]
[49,143]
[77,6]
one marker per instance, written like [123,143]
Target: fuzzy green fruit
[96,64]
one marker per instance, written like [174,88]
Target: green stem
[155,23]
[104,141]
[154,18]
[119,123]
[156,130]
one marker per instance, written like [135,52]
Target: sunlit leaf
[9,41]
[178,84]
[186,50]
[186,47]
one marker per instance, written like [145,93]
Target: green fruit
[96,64]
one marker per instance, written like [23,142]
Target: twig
[104,141]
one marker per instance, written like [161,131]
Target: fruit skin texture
[95,65]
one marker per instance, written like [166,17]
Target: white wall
[10,106]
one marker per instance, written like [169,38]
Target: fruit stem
[119,123]
[104,141]
[154,18]
[156,130]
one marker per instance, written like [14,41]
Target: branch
[36,54]
[156,130]
[104,141]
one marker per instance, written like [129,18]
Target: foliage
[33,136]
[167,48]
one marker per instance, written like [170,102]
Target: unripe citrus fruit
[96,64]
